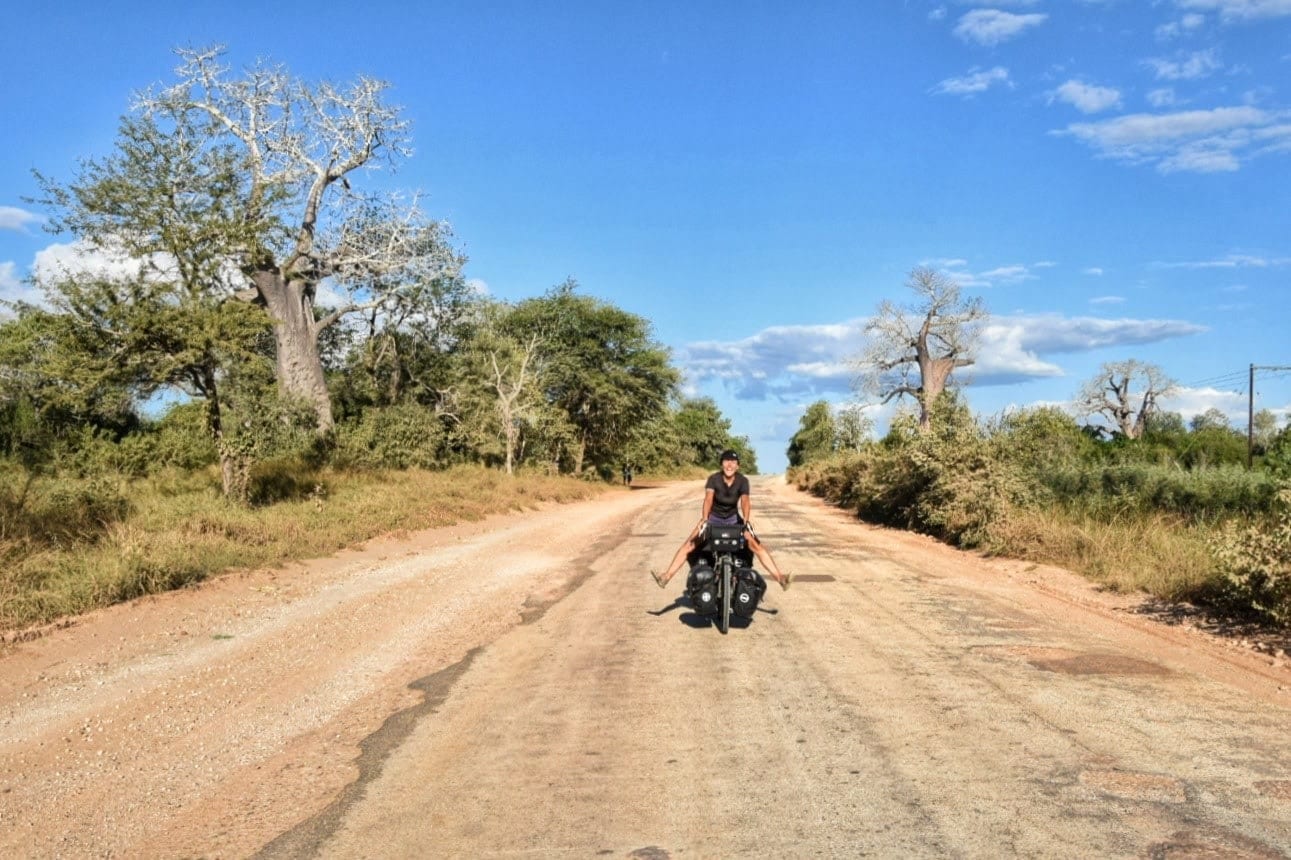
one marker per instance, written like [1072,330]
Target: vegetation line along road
[266,355]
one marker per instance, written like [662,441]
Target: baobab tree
[300,144]
[912,350]
[1126,393]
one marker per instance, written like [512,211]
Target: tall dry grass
[1157,554]
[177,530]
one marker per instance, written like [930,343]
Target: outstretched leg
[764,556]
[679,559]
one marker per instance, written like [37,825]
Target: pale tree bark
[913,350]
[301,144]
[511,382]
[1126,393]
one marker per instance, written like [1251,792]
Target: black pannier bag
[701,585]
[749,587]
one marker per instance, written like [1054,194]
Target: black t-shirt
[726,499]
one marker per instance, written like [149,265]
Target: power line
[1250,407]
[1223,379]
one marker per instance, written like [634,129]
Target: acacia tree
[933,337]
[300,144]
[1126,393]
[165,209]
[601,369]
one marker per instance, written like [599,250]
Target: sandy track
[521,687]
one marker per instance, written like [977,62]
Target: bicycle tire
[724,620]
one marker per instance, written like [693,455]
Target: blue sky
[1111,177]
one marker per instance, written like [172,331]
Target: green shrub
[58,511]
[1140,488]
[1256,562]
[403,436]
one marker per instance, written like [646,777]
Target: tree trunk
[299,367]
[933,373]
[579,453]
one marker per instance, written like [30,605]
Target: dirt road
[521,687]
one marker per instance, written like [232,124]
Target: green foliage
[599,367]
[702,431]
[816,438]
[1138,488]
[1277,457]
[182,440]
[1042,439]
[402,436]
[1255,561]
[1128,512]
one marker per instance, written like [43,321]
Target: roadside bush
[182,440]
[58,511]
[1256,562]
[403,436]
[1141,488]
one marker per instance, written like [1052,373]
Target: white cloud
[1092,270]
[991,26]
[958,272]
[77,258]
[1243,10]
[14,289]
[787,363]
[477,286]
[1189,402]
[1199,140]
[974,82]
[1187,67]
[1087,98]
[1107,300]
[13,218]
[1230,261]
[1186,25]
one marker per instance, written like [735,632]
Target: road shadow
[696,621]
[1253,632]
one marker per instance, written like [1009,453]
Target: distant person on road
[726,503]
[627,475]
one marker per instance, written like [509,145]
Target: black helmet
[728,454]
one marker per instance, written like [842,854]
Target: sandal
[658,579]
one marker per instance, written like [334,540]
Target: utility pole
[1250,411]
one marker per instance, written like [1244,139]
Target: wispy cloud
[1188,24]
[1186,67]
[1162,97]
[787,363]
[1092,270]
[958,271]
[1087,98]
[1202,141]
[1240,10]
[13,218]
[976,81]
[1107,300]
[992,26]
[1230,261]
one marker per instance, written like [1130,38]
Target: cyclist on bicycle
[727,503]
